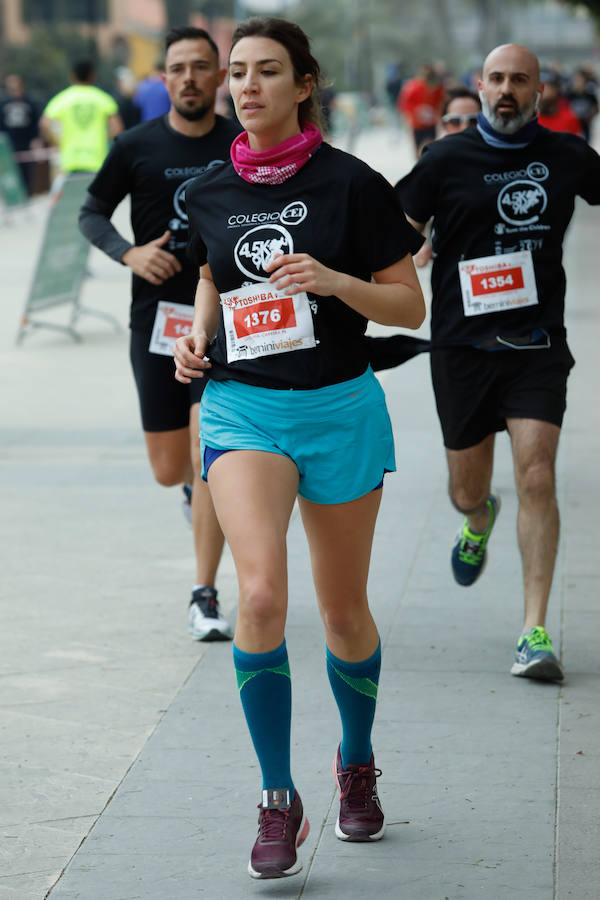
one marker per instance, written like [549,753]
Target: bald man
[501,196]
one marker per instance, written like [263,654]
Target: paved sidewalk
[126,772]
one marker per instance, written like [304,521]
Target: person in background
[151,96]
[81,120]
[553,110]
[583,100]
[420,101]
[393,82]
[461,109]
[19,117]
[327,104]
[124,90]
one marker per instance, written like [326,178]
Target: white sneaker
[205,621]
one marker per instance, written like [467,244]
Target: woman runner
[299,245]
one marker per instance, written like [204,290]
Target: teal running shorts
[339,436]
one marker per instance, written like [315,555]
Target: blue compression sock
[266,693]
[354,686]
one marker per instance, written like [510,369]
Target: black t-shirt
[19,119]
[156,165]
[488,202]
[336,209]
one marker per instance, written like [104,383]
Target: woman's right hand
[189,354]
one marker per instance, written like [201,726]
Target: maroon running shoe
[361,815]
[282,827]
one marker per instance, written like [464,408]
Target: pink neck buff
[276,165]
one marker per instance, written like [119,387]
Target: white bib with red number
[172,321]
[260,321]
[495,283]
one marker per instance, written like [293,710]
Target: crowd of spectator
[569,100]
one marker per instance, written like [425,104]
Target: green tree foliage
[44,61]
[178,11]
[592,5]
[354,39]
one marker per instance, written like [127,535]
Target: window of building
[56,12]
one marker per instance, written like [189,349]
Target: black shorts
[477,390]
[164,402]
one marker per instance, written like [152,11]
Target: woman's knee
[345,619]
[261,603]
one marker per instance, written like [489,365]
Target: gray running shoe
[534,657]
[205,621]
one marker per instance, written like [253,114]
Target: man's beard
[508,126]
[193,114]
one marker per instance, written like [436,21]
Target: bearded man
[501,196]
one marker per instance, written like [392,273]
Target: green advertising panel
[12,188]
[61,266]
[63,257]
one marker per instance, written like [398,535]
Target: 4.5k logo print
[257,247]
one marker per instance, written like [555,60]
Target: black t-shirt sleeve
[381,235]
[113,181]
[196,250]
[95,225]
[590,180]
[418,190]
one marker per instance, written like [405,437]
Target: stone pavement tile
[579,772]
[580,653]
[440,874]
[27,886]
[580,719]
[32,793]
[581,592]
[578,868]
[22,864]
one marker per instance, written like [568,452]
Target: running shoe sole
[547,669]
[213,635]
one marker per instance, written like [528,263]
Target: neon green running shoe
[469,551]
[534,657]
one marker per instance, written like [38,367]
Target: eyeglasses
[469,118]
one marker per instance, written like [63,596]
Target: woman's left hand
[294,272]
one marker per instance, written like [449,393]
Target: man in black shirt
[154,163]
[19,117]
[501,196]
